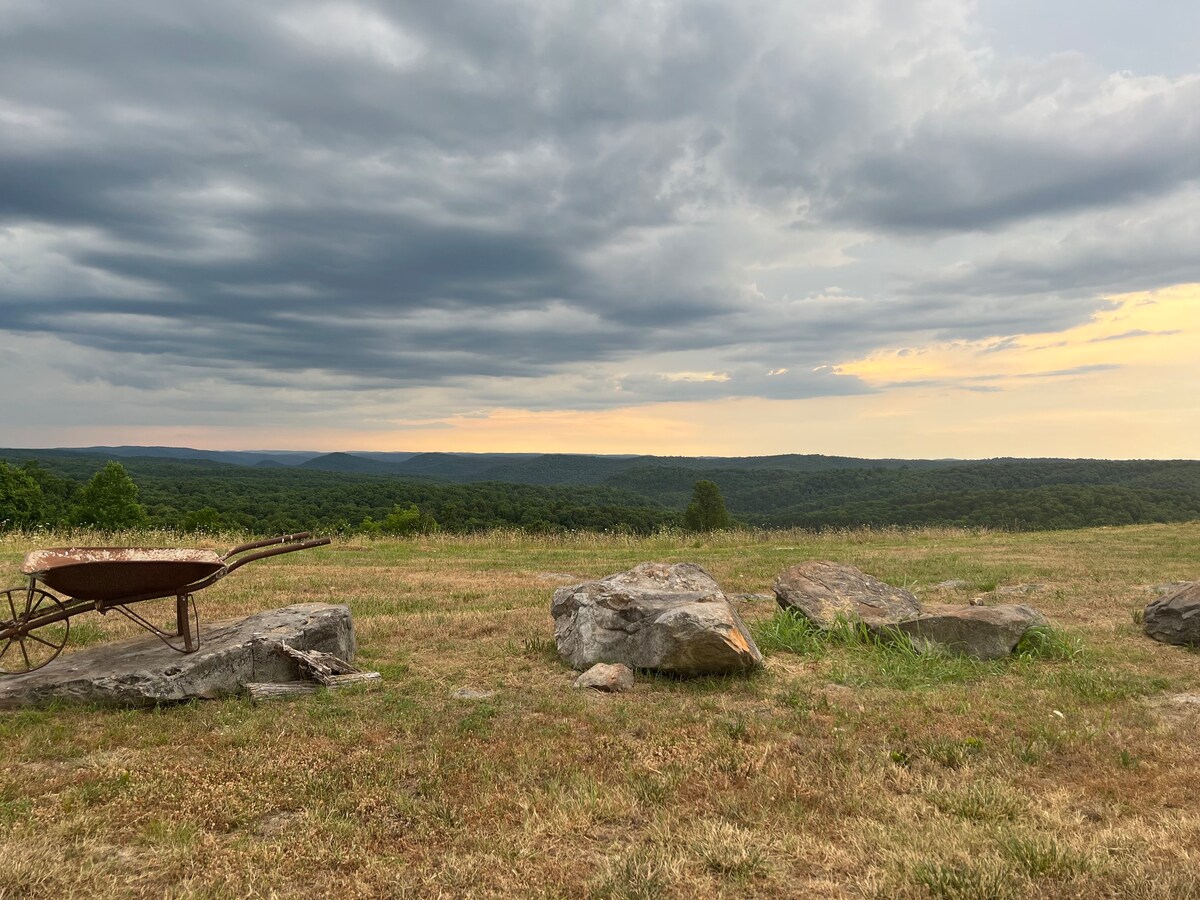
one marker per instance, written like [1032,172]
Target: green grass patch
[1045,642]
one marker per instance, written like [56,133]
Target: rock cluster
[826,592]
[1175,618]
[675,619]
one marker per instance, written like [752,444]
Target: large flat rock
[826,592]
[981,632]
[142,671]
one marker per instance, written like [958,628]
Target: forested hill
[280,492]
[570,468]
[185,493]
[1017,494]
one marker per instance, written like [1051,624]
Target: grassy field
[841,770]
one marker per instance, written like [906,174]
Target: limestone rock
[142,671]
[1175,618]
[611,678]
[827,591]
[670,618]
[981,632]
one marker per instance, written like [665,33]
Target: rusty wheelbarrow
[114,578]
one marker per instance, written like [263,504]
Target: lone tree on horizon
[109,501]
[707,510]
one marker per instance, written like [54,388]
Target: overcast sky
[657,226]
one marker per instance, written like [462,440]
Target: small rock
[670,618]
[1175,618]
[981,632]
[471,694]
[611,678]
[955,584]
[827,591]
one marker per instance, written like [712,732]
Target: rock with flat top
[142,671]
[981,632]
[1175,618]
[608,678]
[825,592]
[669,618]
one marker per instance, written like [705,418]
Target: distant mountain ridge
[294,490]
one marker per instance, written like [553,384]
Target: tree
[707,510]
[408,520]
[21,500]
[109,501]
[206,520]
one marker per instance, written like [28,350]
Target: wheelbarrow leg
[183,622]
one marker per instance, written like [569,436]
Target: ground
[841,770]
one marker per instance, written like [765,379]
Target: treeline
[1010,494]
[196,495]
[58,488]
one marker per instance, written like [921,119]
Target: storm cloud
[442,208]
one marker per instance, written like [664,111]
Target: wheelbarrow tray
[114,573]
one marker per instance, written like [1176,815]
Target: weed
[638,874]
[982,880]
[95,792]
[1041,857]
[979,802]
[952,754]
[534,647]
[730,851]
[653,790]
[179,835]
[1096,685]
[477,721]
[790,633]
[84,634]
[1044,642]
[736,728]
[804,702]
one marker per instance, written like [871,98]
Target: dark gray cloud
[460,205]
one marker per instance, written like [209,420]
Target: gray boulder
[141,671]
[670,618]
[827,591]
[981,632]
[1175,618]
[609,678]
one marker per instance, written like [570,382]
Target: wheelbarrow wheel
[25,644]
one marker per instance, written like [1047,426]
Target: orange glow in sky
[1125,384]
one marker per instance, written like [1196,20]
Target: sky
[885,229]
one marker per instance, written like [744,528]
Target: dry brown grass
[848,773]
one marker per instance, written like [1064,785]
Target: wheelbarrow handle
[269,542]
[275,551]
